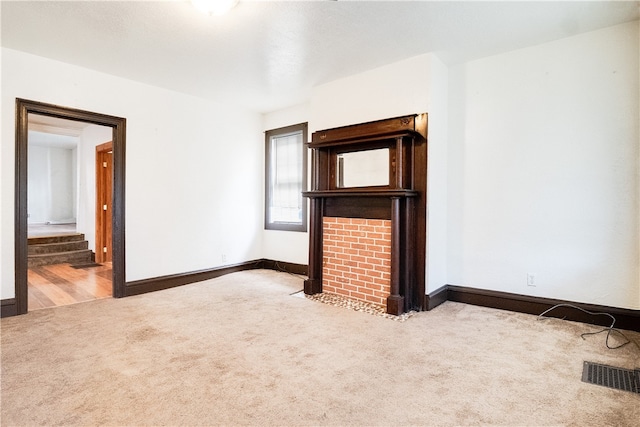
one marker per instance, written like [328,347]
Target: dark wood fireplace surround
[403,201]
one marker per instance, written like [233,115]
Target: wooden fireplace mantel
[346,192]
[403,200]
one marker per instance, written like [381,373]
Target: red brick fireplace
[368,241]
[357,258]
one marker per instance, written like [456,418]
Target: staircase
[70,249]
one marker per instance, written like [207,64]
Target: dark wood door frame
[23,109]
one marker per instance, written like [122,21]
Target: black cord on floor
[609,330]
[281,269]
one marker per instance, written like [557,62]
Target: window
[286,171]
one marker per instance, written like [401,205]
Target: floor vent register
[612,377]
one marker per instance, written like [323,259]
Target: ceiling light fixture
[214,7]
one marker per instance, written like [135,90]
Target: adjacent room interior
[64,266]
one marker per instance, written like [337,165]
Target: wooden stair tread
[60,249]
[48,248]
[78,251]
[42,240]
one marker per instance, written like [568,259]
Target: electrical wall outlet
[531,279]
[224,257]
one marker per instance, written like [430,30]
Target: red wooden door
[104,192]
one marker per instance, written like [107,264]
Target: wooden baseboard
[153,284]
[625,318]
[138,287]
[435,298]
[8,307]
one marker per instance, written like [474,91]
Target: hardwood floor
[62,284]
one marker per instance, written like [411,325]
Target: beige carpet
[240,350]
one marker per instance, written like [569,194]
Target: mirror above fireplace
[367,168]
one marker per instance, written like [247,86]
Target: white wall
[392,90]
[38,185]
[437,171]
[288,246]
[74,183]
[193,167]
[51,184]
[62,181]
[7,282]
[412,86]
[543,170]
[91,137]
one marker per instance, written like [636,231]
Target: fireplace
[370,178]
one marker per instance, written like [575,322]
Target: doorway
[116,218]
[61,199]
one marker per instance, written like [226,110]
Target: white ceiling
[266,55]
